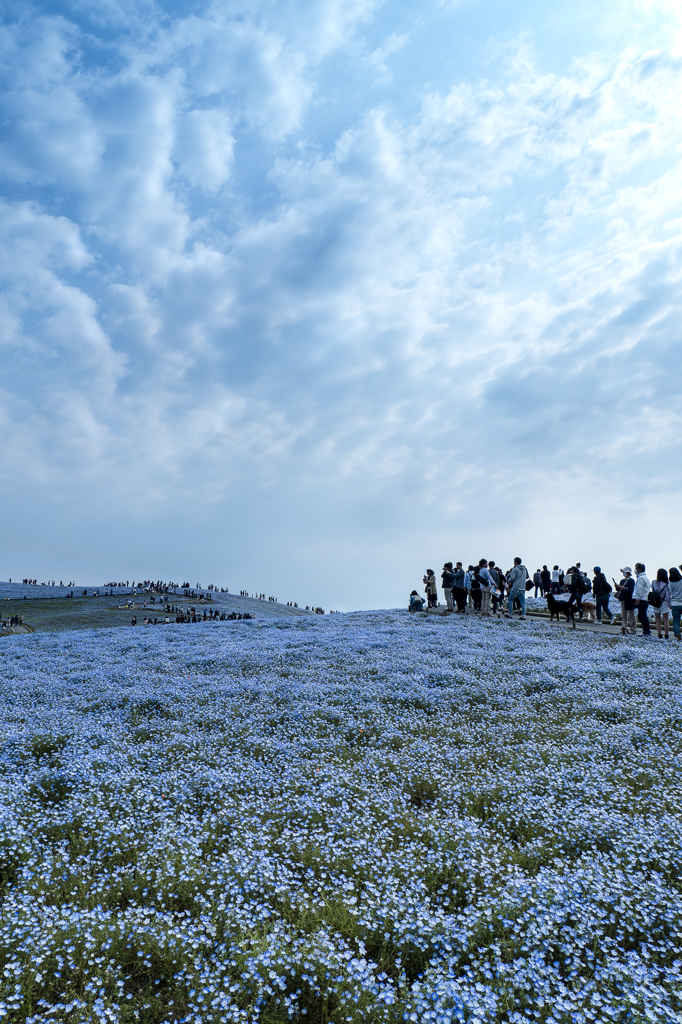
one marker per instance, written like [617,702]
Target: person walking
[624,591]
[601,588]
[675,587]
[641,597]
[458,589]
[517,588]
[448,578]
[431,588]
[661,601]
[572,581]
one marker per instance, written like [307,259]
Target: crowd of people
[192,615]
[482,589]
[10,622]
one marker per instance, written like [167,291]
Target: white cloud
[204,148]
[202,297]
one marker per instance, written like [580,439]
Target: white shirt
[642,587]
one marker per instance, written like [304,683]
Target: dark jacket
[546,578]
[627,585]
[448,578]
[600,586]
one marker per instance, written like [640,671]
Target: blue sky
[303,297]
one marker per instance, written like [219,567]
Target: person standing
[641,597]
[601,589]
[545,580]
[498,586]
[537,583]
[487,585]
[431,588]
[661,588]
[675,587]
[517,588]
[448,578]
[468,579]
[555,579]
[624,591]
[458,589]
[476,587]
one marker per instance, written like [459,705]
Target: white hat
[627,569]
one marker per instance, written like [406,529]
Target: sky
[304,297]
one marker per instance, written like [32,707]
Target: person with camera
[431,589]
[448,578]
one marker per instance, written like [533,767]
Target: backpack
[584,585]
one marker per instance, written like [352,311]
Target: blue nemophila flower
[368,816]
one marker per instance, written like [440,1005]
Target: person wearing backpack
[477,584]
[498,585]
[601,589]
[517,588]
[487,587]
[537,583]
[660,600]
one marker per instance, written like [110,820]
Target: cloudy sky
[304,296]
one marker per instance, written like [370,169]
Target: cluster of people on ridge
[192,615]
[482,588]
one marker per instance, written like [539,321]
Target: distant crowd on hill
[191,615]
[482,589]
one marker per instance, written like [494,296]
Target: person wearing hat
[624,591]
[641,597]
[601,589]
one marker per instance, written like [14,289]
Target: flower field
[358,818]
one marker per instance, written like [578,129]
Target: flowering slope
[365,818]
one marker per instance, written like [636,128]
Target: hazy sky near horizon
[304,296]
